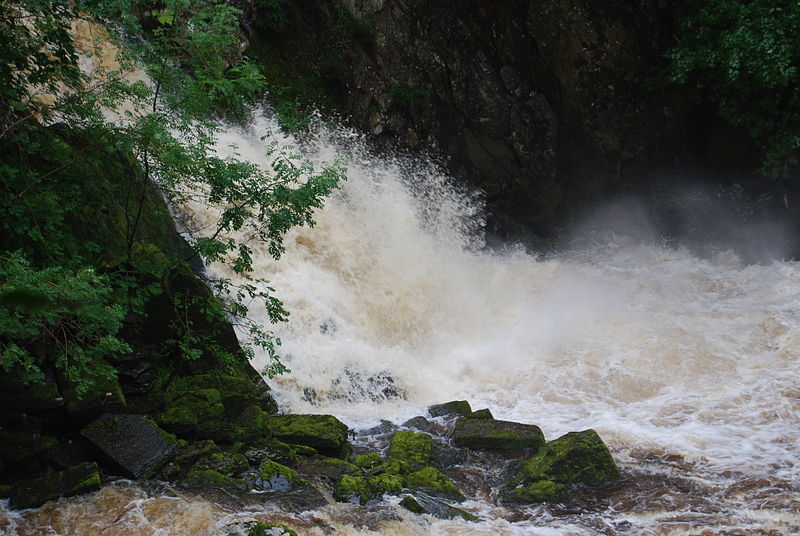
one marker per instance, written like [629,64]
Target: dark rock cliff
[547,107]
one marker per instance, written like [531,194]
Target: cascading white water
[686,366]
[394,301]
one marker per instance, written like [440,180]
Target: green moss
[353,489]
[325,433]
[541,491]
[332,468]
[386,483]
[209,478]
[226,463]
[412,505]
[490,434]
[574,457]
[190,410]
[432,479]
[274,476]
[456,407]
[257,528]
[76,480]
[393,467]
[195,450]
[481,414]
[368,460]
[412,448]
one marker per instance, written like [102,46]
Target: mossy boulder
[324,466]
[76,480]
[208,412]
[211,479]
[420,503]
[195,450]
[418,423]
[370,460]
[272,449]
[432,480]
[364,489]
[353,489]
[481,414]
[227,463]
[325,433]
[257,528]
[190,409]
[491,434]
[541,491]
[275,477]
[455,407]
[572,458]
[412,448]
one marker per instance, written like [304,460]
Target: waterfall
[685,365]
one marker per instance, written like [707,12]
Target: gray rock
[420,423]
[490,434]
[456,407]
[133,444]
[420,503]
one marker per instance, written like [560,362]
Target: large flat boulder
[491,434]
[134,445]
[325,433]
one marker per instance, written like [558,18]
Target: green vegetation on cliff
[744,56]
[86,241]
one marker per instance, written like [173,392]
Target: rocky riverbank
[220,435]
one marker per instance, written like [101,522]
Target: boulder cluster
[219,434]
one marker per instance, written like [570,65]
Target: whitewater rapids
[687,366]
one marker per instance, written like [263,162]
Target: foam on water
[687,366]
[392,294]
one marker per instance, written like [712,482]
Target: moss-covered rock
[79,479]
[364,489]
[190,409]
[325,433]
[257,528]
[490,434]
[370,460]
[420,503]
[418,423]
[272,449]
[432,480]
[456,407]
[227,463]
[541,491]
[275,477]
[190,452]
[481,414]
[412,448]
[574,457]
[210,479]
[353,489]
[324,466]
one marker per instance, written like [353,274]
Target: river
[685,364]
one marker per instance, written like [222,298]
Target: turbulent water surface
[685,365]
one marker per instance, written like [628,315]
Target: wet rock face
[538,104]
[133,444]
[491,434]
